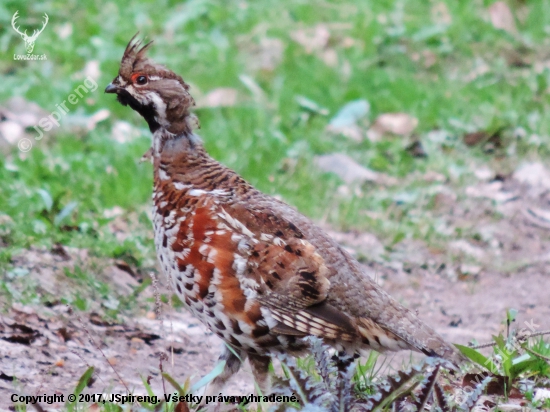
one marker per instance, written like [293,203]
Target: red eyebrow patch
[135,76]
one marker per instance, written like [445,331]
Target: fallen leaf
[220,97]
[96,319]
[316,41]
[59,250]
[502,17]
[541,395]
[253,87]
[471,139]
[92,70]
[492,190]
[97,117]
[19,333]
[266,55]
[440,14]
[416,149]
[539,217]
[533,174]
[367,244]
[469,271]
[345,121]
[148,338]
[394,123]
[310,105]
[11,131]
[312,39]
[353,132]
[346,168]
[182,407]
[350,113]
[330,57]
[463,246]
[495,387]
[122,265]
[123,132]
[65,334]
[5,377]
[484,173]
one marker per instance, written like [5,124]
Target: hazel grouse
[254,270]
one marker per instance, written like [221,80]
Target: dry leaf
[313,40]
[394,123]
[471,139]
[492,190]
[538,217]
[346,168]
[479,70]
[541,395]
[97,117]
[91,69]
[416,149]
[221,97]
[11,131]
[182,407]
[267,55]
[502,17]
[330,57]
[440,14]
[123,132]
[533,174]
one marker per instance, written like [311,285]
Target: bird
[255,271]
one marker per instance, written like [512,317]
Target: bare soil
[461,288]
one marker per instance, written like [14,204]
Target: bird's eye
[141,80]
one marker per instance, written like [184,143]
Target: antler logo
[29,40]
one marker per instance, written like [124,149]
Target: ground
[52,347]
[415,132]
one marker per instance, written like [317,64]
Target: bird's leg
[260,369]
[232,366]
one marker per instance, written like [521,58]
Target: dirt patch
[461,288]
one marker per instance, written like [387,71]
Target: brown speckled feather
[254,270]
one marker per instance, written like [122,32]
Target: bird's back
[260,274]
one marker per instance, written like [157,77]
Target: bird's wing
[293,277]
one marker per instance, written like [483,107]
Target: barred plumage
[255,271]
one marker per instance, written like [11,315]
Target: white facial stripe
[121,81]
[160,107]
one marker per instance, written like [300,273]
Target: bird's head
[156,93]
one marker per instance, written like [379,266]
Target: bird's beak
[111,88]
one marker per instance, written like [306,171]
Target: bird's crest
[134,56]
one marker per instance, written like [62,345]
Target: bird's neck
[182,162]
[168,144]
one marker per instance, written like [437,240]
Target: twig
[484,345]
[538,355]
[521,338]
[87,364]
[91,340]
[158,313]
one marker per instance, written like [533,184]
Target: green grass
[62,190]
[211,45]
[379,48]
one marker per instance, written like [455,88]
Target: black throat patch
[146,111]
